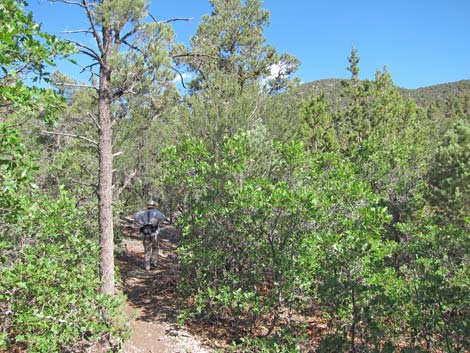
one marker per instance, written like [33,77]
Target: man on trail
[149,221]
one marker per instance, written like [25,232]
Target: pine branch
[180,75]
[95,121]
[88,67]
[195,55]
[87,50]
[93,28]
[171,19]
[177,19]
[127,180]
[69,2]
[128,34]
[78,85]
[70,135]
[77,31]
[131,46]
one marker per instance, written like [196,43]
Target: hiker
[149,221]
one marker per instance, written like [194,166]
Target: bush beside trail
[49,281]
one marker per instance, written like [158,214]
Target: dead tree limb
[70,135]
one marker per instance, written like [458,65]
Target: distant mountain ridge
[429,94]
[423,96]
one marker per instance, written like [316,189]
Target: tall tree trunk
[105,175]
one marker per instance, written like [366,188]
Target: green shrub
[49,288]
[436,303]
[49,285]
[243,225]
[258,240]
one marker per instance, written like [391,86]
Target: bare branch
[177,19]
[88,67]
[130,91]
[69,2]
[131,46]
[93,28]
[127,181]
[254,110]
[78,85]
[126,219]
[170,20]
[195,55]
[128,34]
[91,55]
[70,135]
[87,50]
[95,121]
[180,75]
[77,31]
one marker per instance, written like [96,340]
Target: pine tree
[449,178]
[132,57]
[317,128]
[230,44]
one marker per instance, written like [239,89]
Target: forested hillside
[424,96]
[332,216]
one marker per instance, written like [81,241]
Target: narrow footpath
[151,300]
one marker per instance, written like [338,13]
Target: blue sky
[422,42]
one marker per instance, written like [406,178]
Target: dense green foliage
[50,281]
[25,52]
[330,217]
[424,97]
[48,254]
[450,173]
[364,223]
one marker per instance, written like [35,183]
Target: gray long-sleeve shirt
[149,217]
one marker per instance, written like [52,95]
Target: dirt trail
[151,300]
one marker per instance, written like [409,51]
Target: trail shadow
[152,292]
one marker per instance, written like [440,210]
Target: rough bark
[105,191]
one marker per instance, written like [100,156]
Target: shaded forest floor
[151,299]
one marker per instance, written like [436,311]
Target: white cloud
[281,69]
[185,76]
